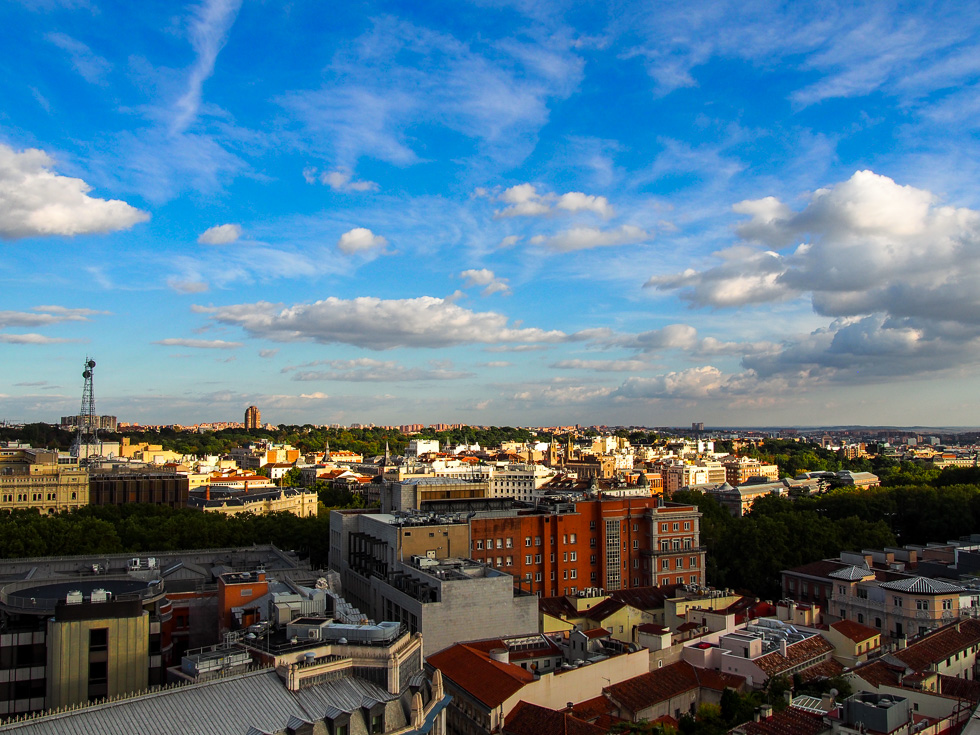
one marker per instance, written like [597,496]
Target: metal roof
[851,573]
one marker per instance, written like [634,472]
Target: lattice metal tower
[87,436]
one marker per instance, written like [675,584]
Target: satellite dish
[87,374]
[91,363]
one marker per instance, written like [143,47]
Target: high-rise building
[253,417]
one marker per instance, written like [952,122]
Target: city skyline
[497,214]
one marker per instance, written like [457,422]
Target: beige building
[260,502]
[33,479]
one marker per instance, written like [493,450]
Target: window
[594,576]
[877,622]
[694,579]
[537,541]
[564,574]
[510,542]
[687,525]
[664,527]
[677,527]
[636,563]
[680,580]
[565,556]
[694,562]
[500,543]
[922,604]
[537,576]
[573,556]
[98,639]
[510,561]
[552,557]
[897,601]
[664,545]
[592,559]
[591,525]
[377,724]
[537,558]
[564,539]
[592,542]
[861,617]
[843,614]
[665,563]
[947,604]
[840,589]
[527,559]
[572,538]
[527,540]
[635,529]
[574,574]
[479,544]
[679,564]
[500,561]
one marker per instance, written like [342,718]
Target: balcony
[673,552]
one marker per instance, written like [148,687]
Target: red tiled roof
[773,664]
[645,598]
[968,689]
[558,607]
[823,670]
[855,631]
[646,690]
[531,719]
[820,568]
[604,609]
[596,633]
[590,709]
[719,680]
[879,672]
[790,721]
[940,645]
[653,628]
[490,682]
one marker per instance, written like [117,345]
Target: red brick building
[563,547]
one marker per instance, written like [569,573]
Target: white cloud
[220,235]
[360,239]
[204,344]
[691,384]
[576,201]
[339,179]
[560,392]
[187,286]
[584,238]
[510,241]
[268,353]
[377,324]
[523,200]
[35,201]
[487,278]
[32,339]
[50,315]
[603,366]
[208,31]
[368,370]
[92,67]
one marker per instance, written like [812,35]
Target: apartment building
[34,479]
[740,469]
[569,544]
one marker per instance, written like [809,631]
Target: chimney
[765,711]
[502,655]
[827,701]
[783,648]
[757,714]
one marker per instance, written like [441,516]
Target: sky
[510,213]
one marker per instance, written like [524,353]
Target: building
[261,501]
[253,418]
[35,479]
[122,488]
[571,543]
[415,569]
[70,642]
[103,423]
[740,469]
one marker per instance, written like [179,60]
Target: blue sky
[491,213]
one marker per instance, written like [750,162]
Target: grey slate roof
[921,586]
[851,573]
[252,702]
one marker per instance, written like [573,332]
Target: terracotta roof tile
[879,672]
[940,645]
[773,664]
[531,719]
[968,689]
[590,709]
[604,609]
[790,721]
[558,607]
[646,690]
[491,682]
[855,631]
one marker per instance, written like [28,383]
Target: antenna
[87,434]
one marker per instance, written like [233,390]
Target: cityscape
[489,367]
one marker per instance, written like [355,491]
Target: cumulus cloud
[35,201]
[32,339]
[487,278]
[368,370]
[360,239]
[339,179]
[220,235]
[524,200]
[585,238]
[45,315]
[378,324]
[691,384]
[561,392]
[204,344]
[893,266]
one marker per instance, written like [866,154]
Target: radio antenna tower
[87,435]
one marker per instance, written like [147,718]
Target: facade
[166,489]
[564,546]
[34,479]
[297,501]
[253,417]
[739,470]
[68,643]
[418,573]
[106,423]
